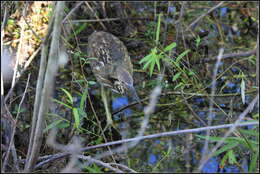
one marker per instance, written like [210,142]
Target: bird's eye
[119,87]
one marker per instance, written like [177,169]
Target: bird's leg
[108,113]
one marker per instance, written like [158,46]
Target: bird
[111,63]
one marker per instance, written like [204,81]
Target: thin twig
[180,93]
[101,23]
[193,112]
[226,56]
[2,38]
[106,20]
[40,80]
[163,134]
[100,163]
[72,11]
[51,71]
[11,144]
[124,167]
[203,15]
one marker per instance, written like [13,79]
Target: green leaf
[83,99]
[179,85]
[251,132]
[231,157]
[158,29]
[256,116]
[226,147]
[191,73]
[63,125]
[60,102]
[243,88]
[170,47]
[92,82]
[69,95]
[147,64]
[52,125]
[181,56]
[78,30]
[76,117]
[10,22]
[198,41]
[151,68]
[146,58]
[253,162]
[176,76]
[82,113]
[93,169]
[223,160]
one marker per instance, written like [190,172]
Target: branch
[164,134]
[191,26]
[226,56]
[49,80]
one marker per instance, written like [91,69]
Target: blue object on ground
[211,166]
[152,159]
[120,102]
[231,169]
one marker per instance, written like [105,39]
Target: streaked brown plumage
[112,66]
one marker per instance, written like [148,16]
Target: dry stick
[231,130]
[206,95]
[51,71]
[2,38]
[100,163]
[50,158]
[171,133]
[213,91]
[202,16]
[166,24]
[106,20]
[230,55]
[179,93]
[18,53]
[74,150]
[12,86]
[101,23]
[124,167]
[192,111]
[130,105]
[11,144]
[39,86]
[72,11]
[179,24]
[257,67]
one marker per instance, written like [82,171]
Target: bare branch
[51,158]
[203,15]
[49,80]
[227,56]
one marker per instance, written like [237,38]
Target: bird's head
[123,83]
